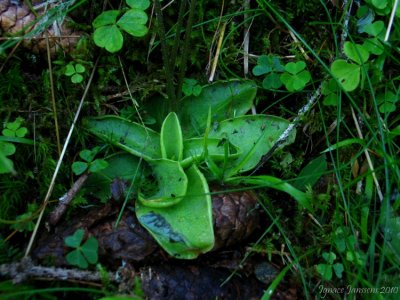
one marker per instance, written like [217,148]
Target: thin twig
[371,166]
[52,94]
[65,200]
[25,269]
[389,28]
[53,179]
[215,61]
[246,39]
[186,49]
[164,50]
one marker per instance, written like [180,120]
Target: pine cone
[17,18]
[235,218]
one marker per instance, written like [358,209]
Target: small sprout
[84,254]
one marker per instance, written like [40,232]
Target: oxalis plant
[209,140]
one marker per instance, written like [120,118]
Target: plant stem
[185,50]
[164,49]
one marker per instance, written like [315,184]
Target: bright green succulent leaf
[108,17]
[194,150]
[347,74]
[133,22]
[129,136]
[7,149]
[75,240]
[310,174]
[171,138]
[139,4]
[184,230]
[122,166]
[356,52]
[325,271]
[272,81]
[375,28]
[275,183]
[171,181]
[90,250]
[98,165]
[69,70]
[253,135]
[108,37]
[79,167]
[226,99]
[76,78]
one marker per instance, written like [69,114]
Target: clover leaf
[83,255]
[89,163]
[74,71]
[387,102]
[270,65]
[295,78]
[108,33]
[356,52]
[191,87]
[14,129]
[347,74]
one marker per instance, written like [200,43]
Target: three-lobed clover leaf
[191,87]
[270,65]
[296,77]
[89,164]
[348,73]
[75,72]
[84,254]
[108,30]
[14,129]
[387,102]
